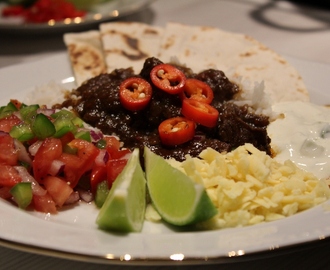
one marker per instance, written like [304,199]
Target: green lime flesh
[178,200]
[124,207]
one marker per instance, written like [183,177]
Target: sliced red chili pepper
[176,130]
[168,78]
[200,112]
[198,90]
[135,93]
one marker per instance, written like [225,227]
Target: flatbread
[243,59]
[86,54]
[239,56]
[128,44]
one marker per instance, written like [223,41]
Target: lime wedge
[178,200]
[124,207]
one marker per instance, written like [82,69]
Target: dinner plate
[112,10]
[72,233]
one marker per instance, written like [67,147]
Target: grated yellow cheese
[248,187]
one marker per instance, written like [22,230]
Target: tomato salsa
[50,158]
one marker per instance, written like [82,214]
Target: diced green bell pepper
[42,127]
[63,113]
[70,150]
[63,125]
[28,112]
[101,144]
[7,110]
[22,193]
[102,192]
[84,135]
[22,132]
[78,122]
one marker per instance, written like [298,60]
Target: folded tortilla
[128,44]
[243,59]
[239,56]
[86,54]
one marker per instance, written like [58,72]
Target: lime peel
[178,200]
[124,207]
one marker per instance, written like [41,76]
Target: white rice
[254,95]
[46,94]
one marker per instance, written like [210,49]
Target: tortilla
[128,44]
[243,59]
[239,56]
[86,54]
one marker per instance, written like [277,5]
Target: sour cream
[302,134]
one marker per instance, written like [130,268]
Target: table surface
[301,31]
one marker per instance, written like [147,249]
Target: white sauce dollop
[303,136]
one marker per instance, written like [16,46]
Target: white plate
[114,9]
[73,232]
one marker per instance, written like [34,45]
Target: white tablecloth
[299,31]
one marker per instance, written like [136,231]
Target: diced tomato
[77,165]
[176,130]
[5,193]
[50,149]
[98,174]
[58,189]
[9,176]
[200,112]
[119,154]
[198,90]
[114,168]
[87,152]
[72,168]
[135,93]
[44,204]
[112,143]
[16,103]
[66,138]
[168,78]
[8,152]
[8,122]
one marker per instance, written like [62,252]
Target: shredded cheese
[248,186]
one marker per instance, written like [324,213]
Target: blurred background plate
[112,10]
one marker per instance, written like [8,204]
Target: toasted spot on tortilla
[247,54]
[206,28]
[150,31]
[129,44]
[169,42]
[86,54]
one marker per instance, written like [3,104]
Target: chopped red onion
[73,198]
[85,195]
[23,154]
[26,177]
[102,158]
[96,135]
[56,167]
[33,148]
[18,115]
[46,111]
